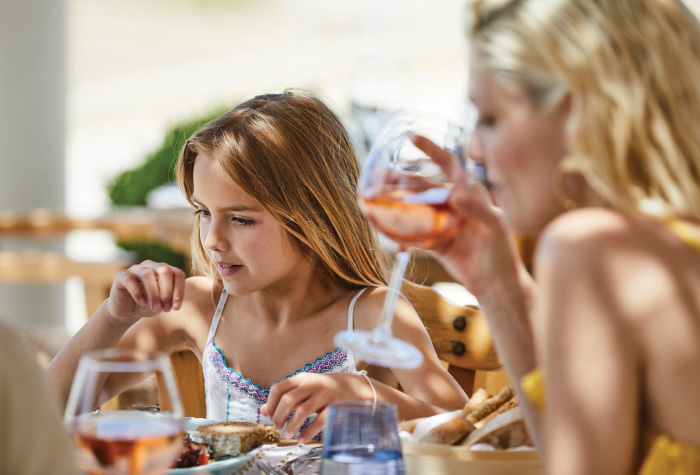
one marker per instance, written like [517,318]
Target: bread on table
[505,430]
[494,420]
[409,425]
[234,438]
[489,406]
[449,432]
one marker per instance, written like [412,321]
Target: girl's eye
[243,221]
[201,212]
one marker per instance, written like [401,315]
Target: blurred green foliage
[132,187]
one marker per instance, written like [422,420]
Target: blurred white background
[89,87]
[136,68]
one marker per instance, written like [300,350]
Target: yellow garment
[665,456]
[532,384]
[685,232]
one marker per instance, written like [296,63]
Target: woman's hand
[145,290]
[482,249]
[307,394]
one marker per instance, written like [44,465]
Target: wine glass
[137,432]
[404,193]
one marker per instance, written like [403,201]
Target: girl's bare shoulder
[369,307]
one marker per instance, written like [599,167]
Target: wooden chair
[460,334]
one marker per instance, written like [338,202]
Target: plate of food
[220,447]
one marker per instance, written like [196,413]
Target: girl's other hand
[145,290]
[306,394]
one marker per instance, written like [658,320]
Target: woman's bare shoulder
[630,261]
[588,235]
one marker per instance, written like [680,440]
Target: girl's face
[521,148]
[251,250]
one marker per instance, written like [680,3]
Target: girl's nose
[212,236]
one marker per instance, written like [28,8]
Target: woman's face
[521,148]
[251,250]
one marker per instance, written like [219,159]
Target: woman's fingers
[451,166]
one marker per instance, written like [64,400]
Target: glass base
[386,351]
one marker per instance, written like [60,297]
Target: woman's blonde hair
[632,71]
[293,155]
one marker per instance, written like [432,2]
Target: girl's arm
[585,268]
[427,390]
[143,290]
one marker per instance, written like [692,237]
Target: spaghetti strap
[351,310]
[217,316]
[351,325]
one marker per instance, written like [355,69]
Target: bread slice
[511,403]
[409,425]
[234,438]
[478,398]
[449,432]
[489,405]
[504,431]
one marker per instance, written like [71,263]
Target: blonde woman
[288,261]
[589,129]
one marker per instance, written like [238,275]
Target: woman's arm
[589,355]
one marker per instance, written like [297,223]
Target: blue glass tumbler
[360,438]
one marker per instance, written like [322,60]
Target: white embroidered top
[231,397]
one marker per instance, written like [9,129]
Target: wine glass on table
[124,413]
[404,193]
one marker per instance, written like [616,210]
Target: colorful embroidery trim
[325,364]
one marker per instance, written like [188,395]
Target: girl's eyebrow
[235,209]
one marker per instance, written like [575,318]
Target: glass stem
[383,328]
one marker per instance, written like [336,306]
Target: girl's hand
[145,290]
[306,394]
[482,249]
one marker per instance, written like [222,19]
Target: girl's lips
[228,270]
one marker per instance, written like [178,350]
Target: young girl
[288,261]
[588,128]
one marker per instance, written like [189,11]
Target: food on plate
[410,424]
[192,455]
[507,429]
[449,432]
[491,406]
[234,438]
[211,442]
[494,420]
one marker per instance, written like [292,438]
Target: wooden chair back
[460,334]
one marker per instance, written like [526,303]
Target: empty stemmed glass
[124,413]
[404,193]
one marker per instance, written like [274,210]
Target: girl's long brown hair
[293,155]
